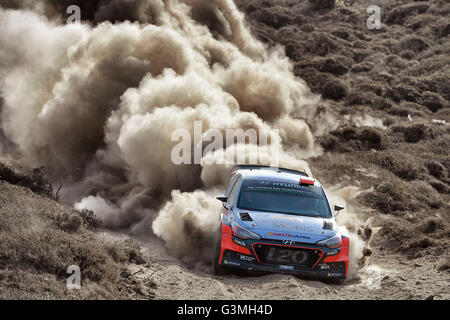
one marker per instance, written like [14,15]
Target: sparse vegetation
[40,238]
[322,4]
[413,134]
[388,198]
[89,219]
[334,89]
[349,139]
[35,182]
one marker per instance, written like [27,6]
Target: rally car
[279,220]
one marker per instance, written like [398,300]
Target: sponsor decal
[277,186]
[292,226]
[335,274]
[239,242]
[290,218]
[231,262]
[287,235]
[282,267]
[324,266]
[247,258]
[286,185]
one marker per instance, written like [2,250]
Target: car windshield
[281,197]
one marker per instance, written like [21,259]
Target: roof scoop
[327,225]
[245,216]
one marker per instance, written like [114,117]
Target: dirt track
[386,277]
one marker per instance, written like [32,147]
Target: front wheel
[218,269]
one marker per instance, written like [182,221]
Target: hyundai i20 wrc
[280,220]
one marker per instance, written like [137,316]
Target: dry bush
[407,54]
[334,89]
[421,243]
[399,111]
[332,66]
[388,198]
[362,67]
[35,182]
[342,33]
[433,101]
[313,78]
[69,222]
[394,233]
[322,44]
[403,166]
[359,98]
[419,22]
[437,170]
[430,63]
[414,134]
[414,43]
[126,251]
[275,16]
[403,236]
[349,139]
[442,30]
[89,219]
[359,55]
[422,195]
[431,225]
[440,187]
[405,92]
[322,4]
[52,252]
[376,87]
[400,13]
[437,82]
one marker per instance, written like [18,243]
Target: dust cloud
[96,104]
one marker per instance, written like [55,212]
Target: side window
[231,185]
[233,193]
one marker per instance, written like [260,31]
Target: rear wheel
[218,269]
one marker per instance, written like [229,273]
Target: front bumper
[243,254]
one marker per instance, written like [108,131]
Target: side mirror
[338,209]
[222,198]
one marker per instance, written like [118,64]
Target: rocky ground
[33,264]
[387,93]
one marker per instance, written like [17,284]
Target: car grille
[282,255]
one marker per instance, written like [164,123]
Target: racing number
[286,256]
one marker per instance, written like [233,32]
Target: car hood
[285,226]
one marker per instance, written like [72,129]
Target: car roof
[270,174]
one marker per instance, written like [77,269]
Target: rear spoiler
[256,167]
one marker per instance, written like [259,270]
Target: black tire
[218,269]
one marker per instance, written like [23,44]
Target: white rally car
[280,220]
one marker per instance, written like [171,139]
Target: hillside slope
[386,95]
[40,238]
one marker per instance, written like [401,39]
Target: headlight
[332,243]
[243,233]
